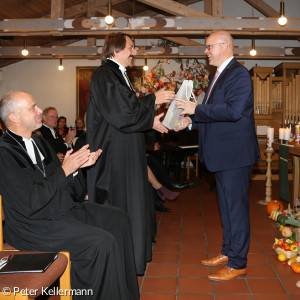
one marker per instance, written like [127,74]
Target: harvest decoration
[189,69]
[274,205]
[289,247]
[295,267]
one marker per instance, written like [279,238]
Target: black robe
[40,215]
[116,122]
[57,143]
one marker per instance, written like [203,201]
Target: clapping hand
[80,159]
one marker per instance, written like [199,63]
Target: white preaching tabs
[30,150]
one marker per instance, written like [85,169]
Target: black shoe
[178,186]
[162,208]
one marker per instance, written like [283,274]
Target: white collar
[122,68]
[30,150]
[224,64]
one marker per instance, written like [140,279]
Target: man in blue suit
[228,146]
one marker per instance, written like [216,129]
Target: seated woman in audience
[161,190]
[62,128]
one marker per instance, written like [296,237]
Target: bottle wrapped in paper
[173,117]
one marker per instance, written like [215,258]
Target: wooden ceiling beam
[181,40]
[76,52]
[91,9]
[168,26]
[174,8]
[213,7]
[91,12]
[57,8]
[152,13]
[264,8]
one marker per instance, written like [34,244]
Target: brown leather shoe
[227,274]
[215,261]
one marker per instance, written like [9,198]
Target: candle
[270,137]
[287,134]
[281,133]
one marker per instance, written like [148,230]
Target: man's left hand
[92,158]
[157,125]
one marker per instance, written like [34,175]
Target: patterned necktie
[128,81]
[212,84]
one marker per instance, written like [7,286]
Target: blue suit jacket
[227,138]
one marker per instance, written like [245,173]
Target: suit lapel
[221,78]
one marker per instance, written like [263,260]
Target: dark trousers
[233,187]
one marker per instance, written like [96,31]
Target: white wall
[48,85]
[58,88]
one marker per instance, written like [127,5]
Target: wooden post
[268,198]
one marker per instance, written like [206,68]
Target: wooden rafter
[168,26]
[57,8]
[213,7]
[149,52]
[264,8]
[181,40]
[174,8]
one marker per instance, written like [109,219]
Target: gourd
[295,267]
[274,205]
[286,231]
[292,260]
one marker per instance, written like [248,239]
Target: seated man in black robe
[40,213]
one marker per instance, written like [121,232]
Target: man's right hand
[73,161]
[164,96]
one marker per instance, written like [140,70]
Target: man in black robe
[41,215]
[116,122]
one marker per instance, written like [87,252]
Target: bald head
[19,112]
[220,47]
[11,102]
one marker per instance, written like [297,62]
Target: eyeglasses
[208,47]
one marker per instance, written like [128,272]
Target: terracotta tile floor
[192,231]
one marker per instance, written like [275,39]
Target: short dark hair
[62,118]
[114,42]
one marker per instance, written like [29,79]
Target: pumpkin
[295,267]
[274,205]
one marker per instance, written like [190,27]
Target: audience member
[60,145]
[161,190]
[80,127]
[61,127]
[45,217]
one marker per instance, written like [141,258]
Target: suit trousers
[233,188]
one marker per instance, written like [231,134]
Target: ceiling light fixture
[253,52]
[282,20]
[145,67]
[60,67]
[109,19]
[25,51]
